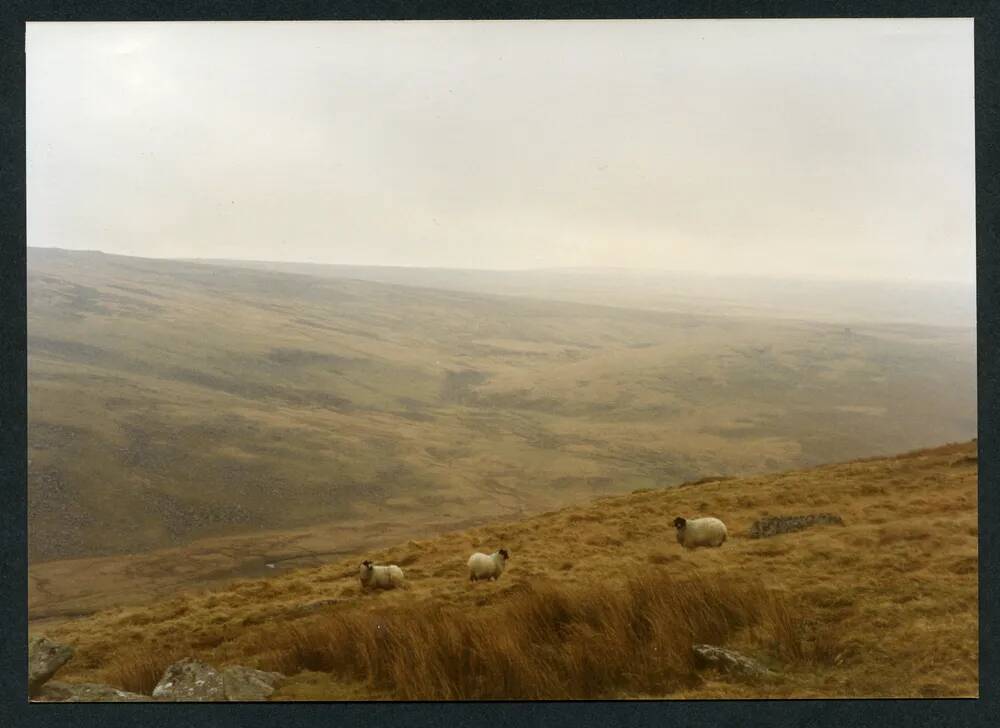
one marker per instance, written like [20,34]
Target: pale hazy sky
[837,148]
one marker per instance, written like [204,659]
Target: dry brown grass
[139,670]
[545,641]
[884,606]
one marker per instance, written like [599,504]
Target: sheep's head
[366,568]
[679,523]
[504,554]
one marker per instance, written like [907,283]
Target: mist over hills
[175,400]
[832,300]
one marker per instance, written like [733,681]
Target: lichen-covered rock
[45,657]
[245,684]
[774,525]
[62,692]
[731,662]
[190,681]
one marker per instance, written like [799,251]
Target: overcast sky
[818,148]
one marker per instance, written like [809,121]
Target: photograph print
[501,360]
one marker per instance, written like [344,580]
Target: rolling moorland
[838,301]
[599,601]
[193,423]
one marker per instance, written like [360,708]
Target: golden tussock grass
[883,606]
[139,670]
[545,641]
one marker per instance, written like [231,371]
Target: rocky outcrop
[184,681]
[731,663]
[245,684]
[45,657]
[61,692]
[193,681]
[774,525]
[190,681]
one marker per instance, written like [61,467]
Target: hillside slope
[885,605]
[171,402]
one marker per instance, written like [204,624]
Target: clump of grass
[542,642]
[786,628]
[903,532]
[135,618]
[826,646]
[662,557]
[138,669]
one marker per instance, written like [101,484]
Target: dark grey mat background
[14,709]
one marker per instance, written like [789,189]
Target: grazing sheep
[700,532]
[380,577]
[482,566]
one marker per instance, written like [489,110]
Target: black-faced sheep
[380,577]
[482,566]
[695,532]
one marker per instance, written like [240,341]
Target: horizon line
[649,270]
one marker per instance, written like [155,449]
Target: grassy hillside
[173,401]
[600,601]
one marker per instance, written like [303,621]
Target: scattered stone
[45,657]
[245,684]
[190,681]
[193,681]
[774,525]
[61,692]
[731,662]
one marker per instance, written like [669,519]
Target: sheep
[700,532]
[490,567]
[381,577]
